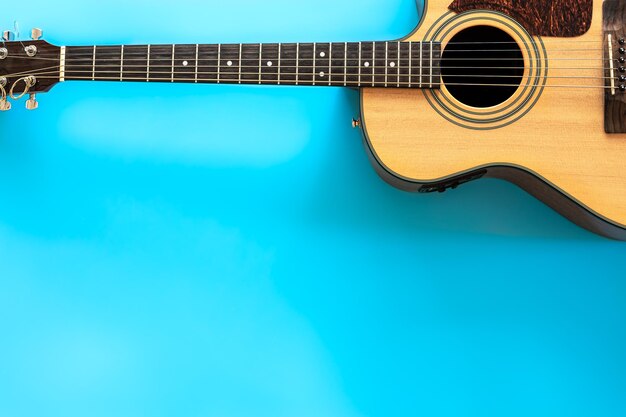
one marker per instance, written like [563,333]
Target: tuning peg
[36,34]
[5,105]
[31,103]
[8,36]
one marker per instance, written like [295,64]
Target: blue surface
[172,250]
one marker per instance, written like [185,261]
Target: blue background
[181,250]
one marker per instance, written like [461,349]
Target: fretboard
[353,64]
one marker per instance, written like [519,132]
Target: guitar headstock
[27,67]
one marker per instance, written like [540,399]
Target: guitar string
[234,73]
[177,68]
[402,42]
[165,55]
[391,44]
[69,63]
[48,71]
[117,57]
[401,64]
[321,82]
[338,83]
[191,70]
[324,81]
[391,48]
[545,41]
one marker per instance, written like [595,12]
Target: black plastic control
[451,184]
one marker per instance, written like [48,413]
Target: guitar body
[548,138]
[530,91]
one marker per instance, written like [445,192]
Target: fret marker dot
[322,74]
[367,64]
[229,63]
[185,63]
[322,54]
[269,63]
[393,64]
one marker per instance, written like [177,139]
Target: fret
[410,62]
[219,62]
[314,60]
[229,63]
[436,65]
[366,65]
[133,64]
[269,67]
[289,63]
[431,65]
[386,63]
[260,64]
[160,62]
[185,63]
[337,70]
[353,64]
[122,63]
[404,64]
[93,70]
[240,69]
[250,69]
[208,63]
[196,63]
[360,62]
[380,65]
[173,55]
[345,64]
[147,65]
[330,64]
[421,61]
[280,47]
[399,65]
[392,57]
[373,64]
[298,63]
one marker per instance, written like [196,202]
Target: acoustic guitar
[533,92]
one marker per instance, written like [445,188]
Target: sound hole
[482,66]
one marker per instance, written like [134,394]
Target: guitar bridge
[614,58]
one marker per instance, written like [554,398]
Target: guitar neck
[356,64]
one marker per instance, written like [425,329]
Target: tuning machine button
[36,34]
[5,105]
[32,103]
[8,36]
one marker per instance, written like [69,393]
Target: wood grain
[560,18]
[561,139]
[18,64]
